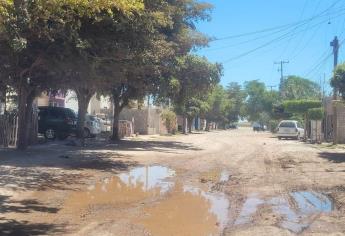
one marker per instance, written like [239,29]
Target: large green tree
[338,81]
[219,105]
[194,78]
[296,87]
[237,98]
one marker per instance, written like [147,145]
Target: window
[53,104]
[287,125]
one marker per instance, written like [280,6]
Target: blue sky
[306,45]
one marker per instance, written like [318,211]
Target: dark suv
[56,122]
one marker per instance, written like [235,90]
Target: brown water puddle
[296,209]
[188,211]
[176,209]
[132,187]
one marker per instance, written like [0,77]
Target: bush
[301,106]
[273,125]
[170,121]
[315,114]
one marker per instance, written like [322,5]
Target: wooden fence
[8,130]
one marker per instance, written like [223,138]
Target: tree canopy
[338,81]
[296,87]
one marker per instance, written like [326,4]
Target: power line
[322,61]
[280,38]
[321,14]
[286,35]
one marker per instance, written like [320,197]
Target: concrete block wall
[341,123]
[145,121]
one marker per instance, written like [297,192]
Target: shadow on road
[9,227]
[158,146]
[333,156]
[23,206]
[58,167]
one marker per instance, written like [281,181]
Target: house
[49,99]
[145,121]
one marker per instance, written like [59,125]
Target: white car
[290,129]
[92,126]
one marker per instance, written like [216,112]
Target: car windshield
[71,113]
[287,125]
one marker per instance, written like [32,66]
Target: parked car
[56,122]
[92,126]
[233,126]
[290,129]
[258,127]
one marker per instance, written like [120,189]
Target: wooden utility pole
[281,69]
[335,45]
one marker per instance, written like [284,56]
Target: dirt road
[219,183]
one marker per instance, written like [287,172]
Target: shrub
[170,121]
[315,114]
[301,106]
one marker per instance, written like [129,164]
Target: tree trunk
[32,121]
[2,99]
[84,96]
[190,124]
[207,125]
[305,127]
[117,110]
[184,125]
[25,101]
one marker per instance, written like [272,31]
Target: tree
[71,38]
[195,78]
[259,100]
[296,87]
[338,81]
[237,99]
[219,105]
[164,31]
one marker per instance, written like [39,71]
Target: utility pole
[281,85]
[335,45]
[271,87]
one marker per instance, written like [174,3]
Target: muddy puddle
[298,208]
[295,210]
[167,207]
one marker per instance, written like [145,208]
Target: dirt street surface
[219,183]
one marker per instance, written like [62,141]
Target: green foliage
[219,105]
[301,106]
[237,98]
[259,101]
[170,121]
[316,113]
[338,81]
[125,48]
[296,88]
[196,78]
[273,125]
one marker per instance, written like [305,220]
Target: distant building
[94,106]
[145,121]
[53,100]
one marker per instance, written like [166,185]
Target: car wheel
[87,133]
[50,134]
